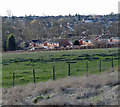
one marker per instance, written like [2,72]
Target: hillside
[95,89]
[49,27]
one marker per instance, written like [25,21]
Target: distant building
[36,43]
[87,41]
[59,42]
[50,44]
[33,43]
[70,43]
[107,40]
[88,21]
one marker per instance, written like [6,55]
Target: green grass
[22,64]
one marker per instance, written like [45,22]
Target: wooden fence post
[68,69]
[86,68]
[53,73]
[112,64]
[100,66]
[34,75]
[13,79]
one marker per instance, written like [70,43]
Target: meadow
[22,64]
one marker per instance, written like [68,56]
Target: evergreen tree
[76,42]
[11,42]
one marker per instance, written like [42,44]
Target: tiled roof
[108,36]
[35,40]
[57,40]
[40,41]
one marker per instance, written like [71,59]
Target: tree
[79,17]
[76,42]
[4,46]
[9,13]
[11,42]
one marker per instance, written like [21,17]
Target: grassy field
[22,64]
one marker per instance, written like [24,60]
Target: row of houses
[83,41]
[49,44]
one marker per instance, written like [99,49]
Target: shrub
[11,42]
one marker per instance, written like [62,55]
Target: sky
[58,7]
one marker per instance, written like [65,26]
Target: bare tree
[9,13]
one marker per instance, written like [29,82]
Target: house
[108,38]
[70,42]
[87,41]
[58,43]
[63,42]
[49,44]
[36,43]
[55,43]
[83,40]
[114,39]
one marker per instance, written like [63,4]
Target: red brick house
[50,43]
[59,42]
[88,41]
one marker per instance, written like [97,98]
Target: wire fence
[57,71]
